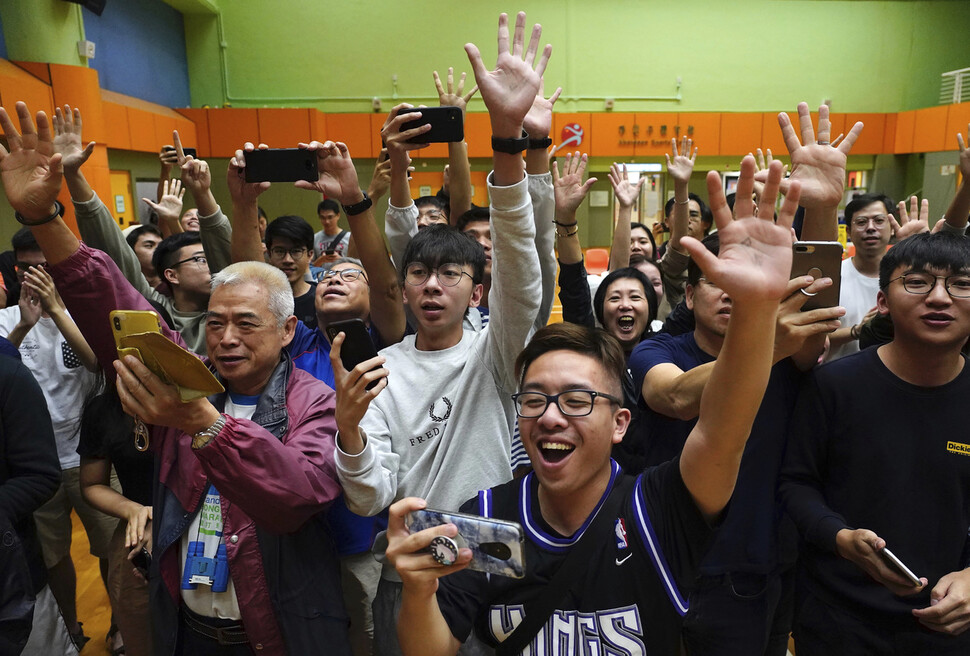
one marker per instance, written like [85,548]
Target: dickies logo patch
[959,448]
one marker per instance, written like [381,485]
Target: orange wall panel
[187,133]
[870,142]
[78,86]
[705,129]
[200,119]
[838,125]
[40,70]
[740,133]
[164,127]
[929,132]
[889,134]
[116,118]
[478,134]
[612,135]
[563,129]
[376,123]
[17,84]
[283,128]
[141,130]
[905,128]
[656,129]
[318,125]
[957,120]
[432,151]
[352,129]
[230,128]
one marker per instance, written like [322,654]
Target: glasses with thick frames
[197,259]
[280,253]
[347,275]
[956,285]
[448,275]
[571,403]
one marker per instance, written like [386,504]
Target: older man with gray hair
[242,558]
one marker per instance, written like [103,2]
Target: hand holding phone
[496,544]
[281,165]
[447,124]
[895,563]
[819,259]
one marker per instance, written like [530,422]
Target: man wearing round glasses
[869,225]
[289,242]
[877,459]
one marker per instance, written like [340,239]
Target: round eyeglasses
[448,275]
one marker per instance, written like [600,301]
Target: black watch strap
[357,208]
[537,144]
[511,146]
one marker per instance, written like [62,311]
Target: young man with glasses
[877,459]
[628,595]
[868,219]
[289,242]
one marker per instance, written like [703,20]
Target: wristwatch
[58,211]
[206,435]
[359,207]
[511,146]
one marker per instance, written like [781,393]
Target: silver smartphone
[496,544]
[898,565]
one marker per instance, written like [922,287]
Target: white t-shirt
[59,372]
[206,527]
[857,294]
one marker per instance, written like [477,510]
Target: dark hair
[474,215]
[424,201]
[706,215]
[941,251]
[24,240]
[292,228]
[653,242]
[597,344]
[328,204]
[132,237]
[440,244]
[628,272]
[713,244]
[260,212]
[860,201]
[166,253]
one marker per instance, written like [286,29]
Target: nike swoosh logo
[620,562]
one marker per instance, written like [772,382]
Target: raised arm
[570,190]
[169,206]
[959,209]
[214,228]
[42,286]
[753,269]
[338,179]
[246,244]
[167,160]
[626,194]
[401,222]
[680,169]
[459,170]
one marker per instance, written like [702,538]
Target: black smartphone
[446,124]
[357,346]
[819,259]
[188,152]
[142,561]
[281,165]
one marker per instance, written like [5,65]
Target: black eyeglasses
[571,403]
[448,275]
[347,275]
[197,259]
[957,285]
[280,253]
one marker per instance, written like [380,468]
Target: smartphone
[446,124]
[281,165]
[133,322]
[142,561]
[819,259]
[897,564]
[497,545]
[188,152]
[357,347]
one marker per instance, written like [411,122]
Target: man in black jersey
[628,598]
[877,458]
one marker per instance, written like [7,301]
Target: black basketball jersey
[631,597]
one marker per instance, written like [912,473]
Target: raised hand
[910,223]
[538,122]
[337,175]
[682,165]
[569,188]
[353,397]
[243,193]
[510,89]
[381,181]
[819,165]
[453,96]
[31,171]
[169,206]
[626,192]
[67,138]
[396,140]
[30,307]
[168,158]
[41,285]
[755,254]
[964,156]
[196,175]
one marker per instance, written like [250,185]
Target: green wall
[42,31]
[750,55]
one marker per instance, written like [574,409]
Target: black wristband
[537,144]
[58,211]
[511,146]
[566,225]
[360,207]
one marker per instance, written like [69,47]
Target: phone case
[819,259]
[496,544]
[357,346]
[281,165]
[446,124]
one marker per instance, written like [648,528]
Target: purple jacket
[275,474]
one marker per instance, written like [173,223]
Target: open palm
[31,171]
